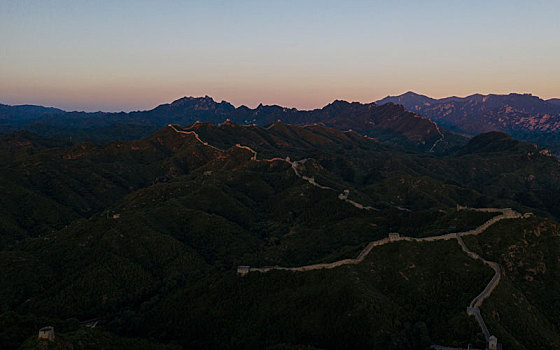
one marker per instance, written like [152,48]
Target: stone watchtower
[46,333]
[493,343]
[243,270]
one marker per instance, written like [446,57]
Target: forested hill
[145,236]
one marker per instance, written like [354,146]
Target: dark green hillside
[495,142]
[524,308]
[514,171]
[265,203]
[24,143]
[145,236]
[48,187]
[517,171]
[280,139]
[92,339]
[399,298]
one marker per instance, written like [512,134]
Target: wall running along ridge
[474,307]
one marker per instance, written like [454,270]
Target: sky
[134,55]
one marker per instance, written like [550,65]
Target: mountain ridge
[524,116]
[389,123]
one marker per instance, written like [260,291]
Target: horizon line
[278,105]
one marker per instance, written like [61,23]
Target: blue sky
[128,55]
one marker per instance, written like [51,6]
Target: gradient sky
[131,55]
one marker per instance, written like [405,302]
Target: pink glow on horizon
[134,55]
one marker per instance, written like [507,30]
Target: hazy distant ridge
[390,122]
[523,116]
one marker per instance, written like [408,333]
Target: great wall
[296,167]
[474,307]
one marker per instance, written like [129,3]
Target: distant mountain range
[415,126]
[523,116]
[389,123]
[25,112]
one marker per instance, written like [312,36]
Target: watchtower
[492,343]
[46,333]
[243,270]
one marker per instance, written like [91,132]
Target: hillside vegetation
[145,236]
